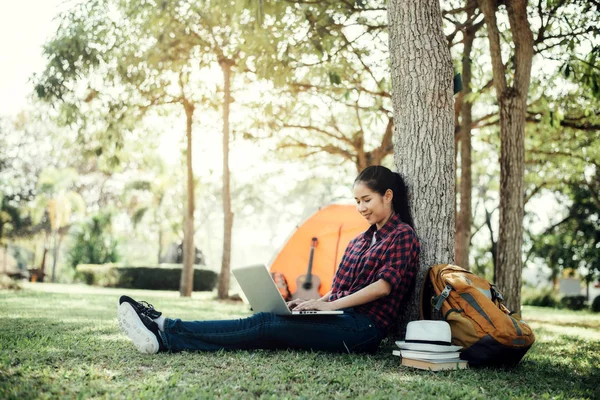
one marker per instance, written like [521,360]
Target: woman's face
[371,205]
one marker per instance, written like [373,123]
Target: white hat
[428,335]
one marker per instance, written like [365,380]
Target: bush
[573,302]
[596,304]
[93,242]
[541,298]
[152,278]
[8,283]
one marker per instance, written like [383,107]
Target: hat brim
[436,348]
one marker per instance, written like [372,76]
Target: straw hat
[434,336]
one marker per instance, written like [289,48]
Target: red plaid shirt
[394,257]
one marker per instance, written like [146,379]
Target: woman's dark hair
[379,179]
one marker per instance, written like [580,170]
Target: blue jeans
[349,332]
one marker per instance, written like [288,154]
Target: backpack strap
[496,295]
[437,301]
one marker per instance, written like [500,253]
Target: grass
[62,341]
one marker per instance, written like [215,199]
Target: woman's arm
[326,296]
[374,291]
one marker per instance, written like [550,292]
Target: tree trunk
[512,102]
[55,256]
[510,233]
[160,239]
[189,254]
[5,259]
[494,244]
[463,220]
[223,289]
[43,262]
[422,79]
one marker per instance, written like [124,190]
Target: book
[428,355]
[435,365]
[432,364]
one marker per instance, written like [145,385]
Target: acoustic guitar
[307,286]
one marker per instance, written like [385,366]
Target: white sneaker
[132,325]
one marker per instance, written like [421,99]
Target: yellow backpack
[487,331]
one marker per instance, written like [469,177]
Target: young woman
[375,276]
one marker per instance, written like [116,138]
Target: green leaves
[334,78]
[567,70]
[93,242]
[573,242]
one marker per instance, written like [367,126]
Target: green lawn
[62,341]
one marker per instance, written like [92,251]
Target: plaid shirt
[394,257]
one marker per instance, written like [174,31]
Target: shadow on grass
[565,367]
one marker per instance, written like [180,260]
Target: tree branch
[523,39]
[319,148]
[320,130]
[564,154]
[488,7]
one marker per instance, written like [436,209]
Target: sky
[25,26]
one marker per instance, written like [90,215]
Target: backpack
[488,332]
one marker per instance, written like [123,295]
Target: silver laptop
[262,293]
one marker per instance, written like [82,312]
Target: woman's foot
[141,307]
[140,328]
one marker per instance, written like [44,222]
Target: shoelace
[148,306]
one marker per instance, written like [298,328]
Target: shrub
[573,302]
[596,304]
[153,278]
[93,243]
[7,283]
[541,298]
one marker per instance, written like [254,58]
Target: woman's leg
[348,332]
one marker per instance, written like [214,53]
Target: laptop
[263,295]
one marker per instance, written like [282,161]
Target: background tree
[512,102]
[335,59]
[147,197]
[56,200]
[221,30]
[422,77]
[129,69]
[556,42]
[573,241]
[464,108]
[17,185]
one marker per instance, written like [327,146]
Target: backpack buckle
[496,294]
[439,300]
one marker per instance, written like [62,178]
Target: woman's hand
[316,304]
[293,303]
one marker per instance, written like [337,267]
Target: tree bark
[463,220]
[43,262]
[5,259]
[512,102]
[223,289]
[189,249]
[160,239]
[422,79]
[494,244]
[55,256]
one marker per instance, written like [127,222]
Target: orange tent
[333,226]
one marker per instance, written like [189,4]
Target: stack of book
[429,360]
[428,345]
